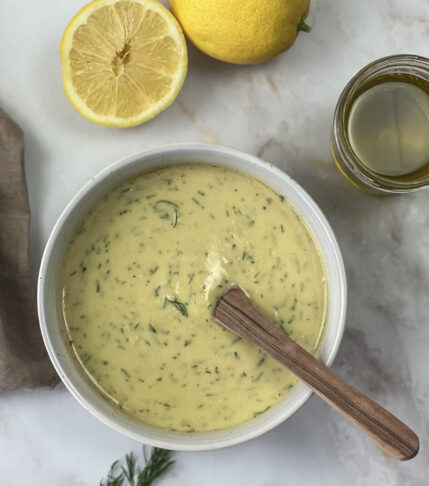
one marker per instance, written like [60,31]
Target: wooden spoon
[235,312]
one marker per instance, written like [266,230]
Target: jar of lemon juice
[380,133]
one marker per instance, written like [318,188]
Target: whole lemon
[241,31]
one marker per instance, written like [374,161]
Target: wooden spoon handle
[235,312]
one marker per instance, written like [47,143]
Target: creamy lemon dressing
[142,274]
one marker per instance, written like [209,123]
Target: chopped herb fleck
[258,377]
[125,372]
[261,411]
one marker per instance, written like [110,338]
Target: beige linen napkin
[24,362]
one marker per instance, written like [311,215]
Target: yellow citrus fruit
[241,31]
[123,61]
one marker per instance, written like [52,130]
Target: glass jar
[398,67]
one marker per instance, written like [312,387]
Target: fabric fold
[24,363]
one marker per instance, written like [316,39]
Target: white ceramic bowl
[50,312]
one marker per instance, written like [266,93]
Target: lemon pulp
[123,61]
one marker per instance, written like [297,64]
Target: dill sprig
[158,462]
[162,207]
[178,305]
[112,479]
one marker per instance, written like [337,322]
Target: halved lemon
[123,61]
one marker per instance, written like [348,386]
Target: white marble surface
[282,111]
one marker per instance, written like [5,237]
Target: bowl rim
[179,441]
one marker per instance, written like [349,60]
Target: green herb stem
[156,465]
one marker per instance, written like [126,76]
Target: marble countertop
[282,111]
